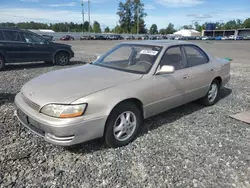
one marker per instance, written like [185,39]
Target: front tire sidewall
[109,137]
[57,59]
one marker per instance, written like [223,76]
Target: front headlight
[64,111]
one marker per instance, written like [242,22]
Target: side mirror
[166,69]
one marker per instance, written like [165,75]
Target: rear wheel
[212,95]
[2,63]
[122,125]
[61,58]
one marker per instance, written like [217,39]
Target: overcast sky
[161,12]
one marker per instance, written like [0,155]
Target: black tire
[109,134]
[208,100]
[2,63]
[61,58]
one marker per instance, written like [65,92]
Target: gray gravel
[190,146]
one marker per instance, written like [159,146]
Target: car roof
[163,43]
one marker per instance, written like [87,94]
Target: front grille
[31,104]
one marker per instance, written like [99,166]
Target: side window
[11,35]
[30,37]
[173,57]
[195,56]
[1,35]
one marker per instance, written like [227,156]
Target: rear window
[11,35]
[1,35]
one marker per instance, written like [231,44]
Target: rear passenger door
[202,71]
[15,49]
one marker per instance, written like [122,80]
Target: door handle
[211,69]
[185,77]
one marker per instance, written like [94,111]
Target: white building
[187,33]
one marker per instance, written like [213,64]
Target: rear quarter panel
[223,68]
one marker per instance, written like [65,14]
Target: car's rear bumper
[57,132]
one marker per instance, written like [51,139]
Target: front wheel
[61,58]
[212,95]
[122,125]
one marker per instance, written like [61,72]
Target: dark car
[67,37]
[99,37]
[48,37]
[114,37]
[18,45]
[239,38]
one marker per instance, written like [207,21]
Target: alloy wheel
[212,93]
[124,126]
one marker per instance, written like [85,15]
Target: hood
[60,44]
[67,85]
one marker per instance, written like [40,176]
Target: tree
[153,29]
[97,27]
[128,13]
[246,23]
[162,31]
[187,27]
[197,26]
[231,25]
[107,30]
[117,29]
[170,29]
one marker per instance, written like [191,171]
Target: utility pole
[89,13]
[82,16]
[138,20]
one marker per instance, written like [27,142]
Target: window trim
[31,33]
[20,41]
[199,50]
[182,53]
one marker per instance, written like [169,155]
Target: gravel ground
[190,146]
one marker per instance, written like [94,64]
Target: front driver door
[170,90]
[40,49]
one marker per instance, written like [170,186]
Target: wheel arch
[135,101]
[1,55]
[219,79]
[61,50]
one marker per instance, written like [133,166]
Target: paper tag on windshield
[149,52]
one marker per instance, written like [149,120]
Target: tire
[212,95]
[2,63]
[126,132]
[61,58]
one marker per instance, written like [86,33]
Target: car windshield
[130,58]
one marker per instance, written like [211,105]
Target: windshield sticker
[149,52]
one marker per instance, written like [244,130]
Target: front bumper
[64,132]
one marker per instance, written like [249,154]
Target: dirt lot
[190,146]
